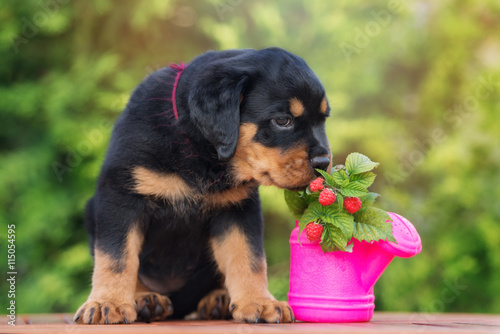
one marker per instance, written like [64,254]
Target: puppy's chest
[172,191]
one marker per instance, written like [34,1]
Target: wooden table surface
[382,322]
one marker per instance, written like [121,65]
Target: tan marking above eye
[324,106]
[296,107]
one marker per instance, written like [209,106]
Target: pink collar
[180,68]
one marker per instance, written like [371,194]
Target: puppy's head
[264,111]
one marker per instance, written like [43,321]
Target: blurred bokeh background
[415,85]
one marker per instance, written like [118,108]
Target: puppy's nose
[320,162]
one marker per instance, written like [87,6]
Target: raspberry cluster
[337,206]
[328,197]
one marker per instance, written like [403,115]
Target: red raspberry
[327,197]
[316,185]
[314,231]
[352,204]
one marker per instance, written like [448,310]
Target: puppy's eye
[283,122]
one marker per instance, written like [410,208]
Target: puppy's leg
[151,306]
[117,242]
[111,300]
[238,250]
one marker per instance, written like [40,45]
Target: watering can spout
[381,253]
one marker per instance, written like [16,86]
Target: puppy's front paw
[215,305]
[104,312]
[152,306]
[261,310]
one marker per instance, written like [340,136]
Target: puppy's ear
[214,102]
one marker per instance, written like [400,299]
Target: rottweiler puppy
[175,225]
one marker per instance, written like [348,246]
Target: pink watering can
[338,286]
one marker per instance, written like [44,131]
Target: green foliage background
[416,89]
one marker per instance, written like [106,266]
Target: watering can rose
[340,207]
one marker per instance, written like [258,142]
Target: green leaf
[339,177]
[368,199]
[328,178]
[332,239]
[311,214]
[371,225]
[340,220]
[358,163]
[311,198]
[345,183]
[340,200]
[364,179]
[296,203]
[353,190]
